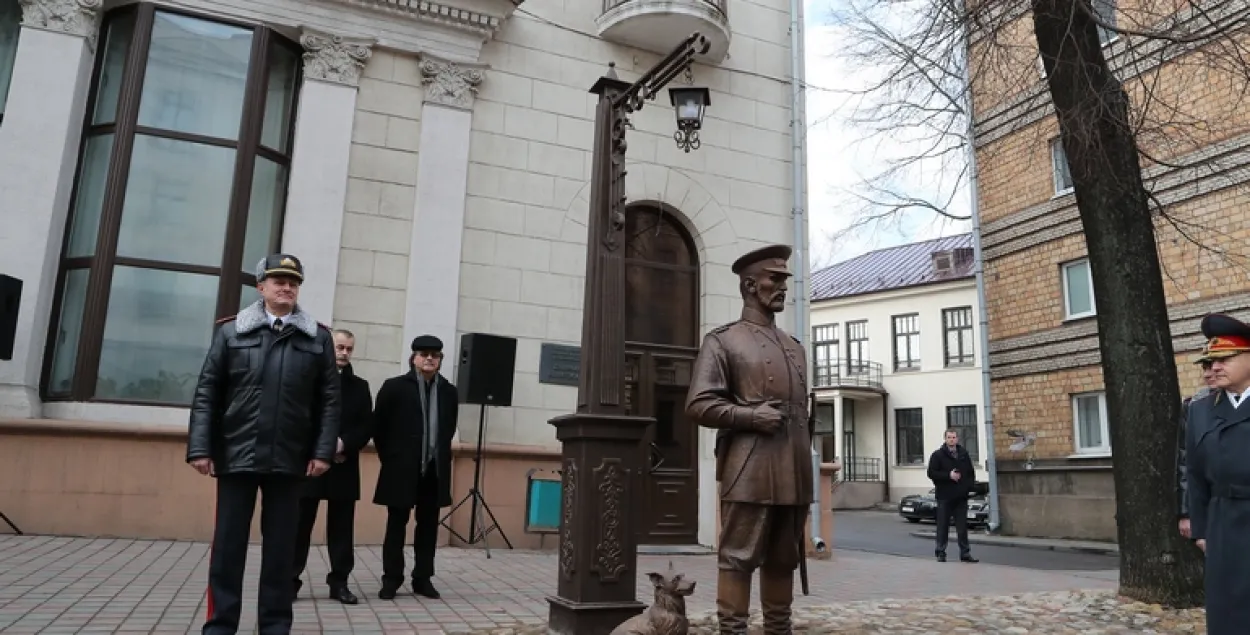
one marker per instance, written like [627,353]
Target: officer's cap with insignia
[1226,336]
[280,265]
[1205,356]
[771,259]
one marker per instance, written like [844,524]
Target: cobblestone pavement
[74,585]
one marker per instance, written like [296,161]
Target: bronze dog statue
[667,615]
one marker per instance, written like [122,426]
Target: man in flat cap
[264,417]
[1217,438]
[750,384]
[414,422]
[1182,497]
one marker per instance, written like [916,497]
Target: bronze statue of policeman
[750,384]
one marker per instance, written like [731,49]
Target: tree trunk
[1157,564]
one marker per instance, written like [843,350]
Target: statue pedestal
[600,462]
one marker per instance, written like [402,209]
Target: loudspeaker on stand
[484,375]
[10,301]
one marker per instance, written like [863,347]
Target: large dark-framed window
[957,336]
[180,191]
[857,347]
[963,420]
[906,341]
[909,436]
[10,30]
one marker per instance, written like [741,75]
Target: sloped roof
[891,268]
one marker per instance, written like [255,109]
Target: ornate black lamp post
[601,455]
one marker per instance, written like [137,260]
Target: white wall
[932,388]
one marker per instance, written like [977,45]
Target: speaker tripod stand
[10,524]
[478,529]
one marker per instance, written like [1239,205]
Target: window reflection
[117,39]
[90,198]
[156,334]
[64,349]
[196,76]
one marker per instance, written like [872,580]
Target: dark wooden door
[670,483]
[661,332]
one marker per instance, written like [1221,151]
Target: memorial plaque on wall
[559,364]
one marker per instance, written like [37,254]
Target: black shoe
[342,594]
[387,593]
[941,557]
[424,587]
[968,559]
[299,584]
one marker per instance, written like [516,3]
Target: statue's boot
[733,601]
[776,596]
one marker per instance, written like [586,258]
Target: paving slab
[77,585]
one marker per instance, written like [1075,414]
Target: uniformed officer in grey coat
[1217,442]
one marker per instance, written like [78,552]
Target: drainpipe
[798,285]
[991,462]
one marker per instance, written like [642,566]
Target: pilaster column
[839,429]
[438,220]
[313,226]
[39,141]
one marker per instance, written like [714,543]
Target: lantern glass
[689,104]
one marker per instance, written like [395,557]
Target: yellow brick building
[1046,374]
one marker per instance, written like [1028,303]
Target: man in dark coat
[414,422]
[1182,497]
[1217,438]
[264,416]
[952,473]
[340,487]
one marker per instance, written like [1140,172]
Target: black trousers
[957,511]
[340,540]
[424,538]
[279,519]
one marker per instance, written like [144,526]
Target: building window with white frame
[957,336]
[909,436]
[1078,290]
[963,420]
[825,354]
[857,347]
[1059,168]
[180,191]
[10,29]
[906,341]
[1089,418]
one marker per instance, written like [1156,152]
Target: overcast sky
[838,158]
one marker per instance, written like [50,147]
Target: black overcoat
[398,435]
[342,482]
[1217,438]
[940,465]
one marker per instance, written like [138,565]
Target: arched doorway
[661,342]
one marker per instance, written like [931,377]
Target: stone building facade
[1047,381]
[429,162]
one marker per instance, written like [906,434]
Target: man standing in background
[265,415]
[952,473]
[339,487]
[415,420]
[1182,497]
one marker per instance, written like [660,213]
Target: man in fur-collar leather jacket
[265,415]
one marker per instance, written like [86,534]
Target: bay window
[180,190]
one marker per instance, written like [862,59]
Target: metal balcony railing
[848,374]
[860,470]
[719,5]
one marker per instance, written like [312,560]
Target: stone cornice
[72,17]
[482,17]
[1213,168]
[1128,56]
[450,84]
[1075,345]
[334,58]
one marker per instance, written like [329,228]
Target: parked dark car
[917,507]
